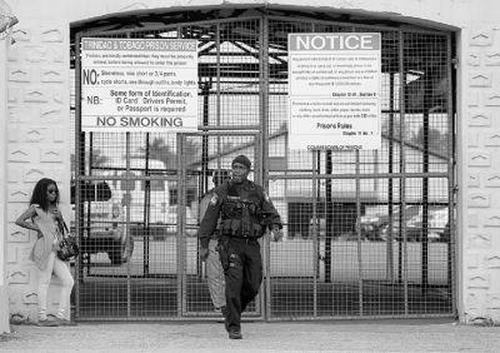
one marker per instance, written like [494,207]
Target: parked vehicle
[371,227]
[437,224]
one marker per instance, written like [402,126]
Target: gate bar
[78,171]
[402,186]
[146,209]
[225,132]
[351,176]
[127,225]
[262,153]
[452,188]
[425,181]
[315,258]
[86,221]
[390,186]
[181,244]
[358,233]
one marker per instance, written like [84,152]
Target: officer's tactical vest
[241,211]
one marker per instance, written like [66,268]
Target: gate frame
[181,197]
[263,150]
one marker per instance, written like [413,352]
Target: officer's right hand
[203,253]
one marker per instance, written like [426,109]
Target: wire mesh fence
[367,233]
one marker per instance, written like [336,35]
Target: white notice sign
[139,85]
[334,91]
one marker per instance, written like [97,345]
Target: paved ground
[338,336]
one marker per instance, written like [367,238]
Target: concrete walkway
[337,336]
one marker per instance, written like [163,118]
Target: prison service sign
[139,85]
[334,91]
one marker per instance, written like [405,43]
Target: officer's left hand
[203,253]
[276,233]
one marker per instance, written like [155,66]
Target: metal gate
[367,233]
[222,147]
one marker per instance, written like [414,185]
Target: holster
[223,249]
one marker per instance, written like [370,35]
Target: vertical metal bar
[205,91]
[427,103]
[218,66]
[390,201]
[316,202]
[88,220]
[127,225]
[328,219]
[127,214]
[218,89]
[402,194]
[146,236]
[181,248]
[78,151]
[358,232]
[264,97]
[451,236]
[315,256]
[263,139]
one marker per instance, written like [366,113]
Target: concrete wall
[480,165]
[38,136]
[37,79]
[4,303]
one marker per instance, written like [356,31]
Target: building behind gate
[406,230]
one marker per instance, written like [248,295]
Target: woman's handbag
[68,244]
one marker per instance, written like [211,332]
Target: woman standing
[44,217]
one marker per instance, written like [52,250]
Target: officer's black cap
[242,159]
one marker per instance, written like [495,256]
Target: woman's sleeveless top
[45,244]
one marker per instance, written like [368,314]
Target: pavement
[394,335]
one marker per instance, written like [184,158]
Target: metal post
[427,103]
[218,88]
[358,232]
[181,242]
[263,141]
[264,98]
[317,196]
[88,220]
[79,149]
[315,256]
[205,91]
[402,193]
[329,219]
[146,236]
[128,183]
[451,236]
[390,201]
[127,212]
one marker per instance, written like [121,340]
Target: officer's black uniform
[246,212]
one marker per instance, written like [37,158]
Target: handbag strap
[65,226]
[63,223]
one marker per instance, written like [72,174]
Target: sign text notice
[334,91]
[139,84]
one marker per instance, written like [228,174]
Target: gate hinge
[455,62]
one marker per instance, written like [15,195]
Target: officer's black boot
[233,334]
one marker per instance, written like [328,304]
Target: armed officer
[246,213]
